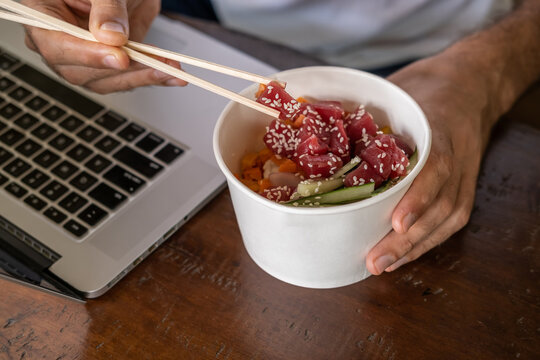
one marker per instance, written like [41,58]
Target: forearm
[505,57]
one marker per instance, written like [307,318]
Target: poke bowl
[300,239]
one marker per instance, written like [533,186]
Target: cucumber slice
[413,160]
[348,194]
[313,187]
[347,167]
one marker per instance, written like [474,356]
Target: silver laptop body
[140,201]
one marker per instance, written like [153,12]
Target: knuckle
[462,217]
[406,246]
[446,206]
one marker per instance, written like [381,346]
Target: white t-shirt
[361,33]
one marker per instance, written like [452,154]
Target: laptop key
[75,228]
[35,202]
[16,167]
[43,131]
[2,125]
[124,179]
[111,121]
[61,142]
[138,162]
[26,121]
[83,181]
[107,144]
[149,142]
[107,196]
[53,190]
[89,133]
[131,132]
[55,215]
[3,179]
[11,137]
[169,153]
[92,214]
[19,93]
[6,83]
[16,190]
[28,147]
[7,61]
[73,202]
[35,179]
[79,152]
[71,123]
[36,103]
[54,89]
[4,155]
[53,113]
[98,163]
[46,158]
[9,111]
[64,170]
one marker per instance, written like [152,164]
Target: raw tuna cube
[360,123]
[330,111]
[278,193]
[311,126]
[378,159]
[312,146]
[276,97]
[281,139]
[402,145]
[339,141]
[319,166]
[399,158]
[363,174]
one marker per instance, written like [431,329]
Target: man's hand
[463,91]
[440,199]
[100,67]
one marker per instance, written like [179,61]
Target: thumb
[108,21]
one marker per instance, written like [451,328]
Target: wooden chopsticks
[28,16]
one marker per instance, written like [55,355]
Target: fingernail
[397,264]
[113,26]
[408,221]
[174,82]
[111,61]
[383,262]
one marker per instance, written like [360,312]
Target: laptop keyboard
[67,157]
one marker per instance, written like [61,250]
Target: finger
[395,246]
[424,188]
[108,21]
[131,80]
[456,221]
[141,17]
[62,49]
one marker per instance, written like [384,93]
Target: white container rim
[307,211]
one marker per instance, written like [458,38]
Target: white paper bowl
[317,247]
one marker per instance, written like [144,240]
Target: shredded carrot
[252,174]
[253,185]
[249,160]
[298,122]
[277,160]
[264,184]
[262,88]
[264,155]
[288,166]
[301,100]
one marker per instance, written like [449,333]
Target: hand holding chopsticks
[136,51]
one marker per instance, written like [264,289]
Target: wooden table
[200,296]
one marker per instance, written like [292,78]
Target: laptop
[90,185]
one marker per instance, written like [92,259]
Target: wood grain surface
[200,296]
